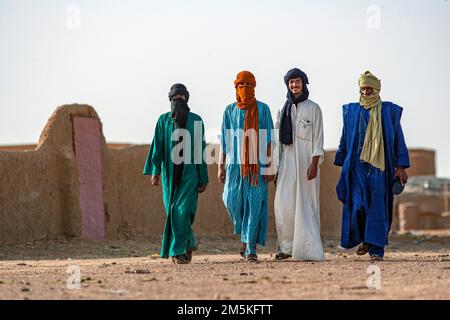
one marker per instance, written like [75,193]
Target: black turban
[286,121]
[179,112]
[178,88]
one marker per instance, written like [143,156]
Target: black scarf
[179,111]
[286,121]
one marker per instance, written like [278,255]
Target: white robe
[297,209]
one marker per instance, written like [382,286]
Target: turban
[178,88]
[179,111]
[246,100]
[367,79]
[373,147]
[286,121]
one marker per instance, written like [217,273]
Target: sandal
[251,257]
[189,252]
[243,249]
[376,258]
[182,259]
[282,256]
[362,249]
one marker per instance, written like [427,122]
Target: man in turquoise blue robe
[245,192]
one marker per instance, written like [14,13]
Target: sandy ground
[416,267]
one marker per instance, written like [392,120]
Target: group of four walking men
[372,153]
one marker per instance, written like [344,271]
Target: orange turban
[246,100]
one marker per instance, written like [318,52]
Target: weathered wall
[39,189]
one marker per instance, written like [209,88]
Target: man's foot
[182,259]
[362,249]
[243,249]
[251,257]
[376,258]
[282,256]
[189,252]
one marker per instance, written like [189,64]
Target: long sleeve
[203,167]
[224,139]
[278,147]
[341,153]
[401,150]
[156,154]
[318,134]
[270,139]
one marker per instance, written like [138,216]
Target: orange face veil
[245,96]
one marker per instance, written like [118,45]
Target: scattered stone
[150,280]
[243,274]
[329,243]
[357,287]
[154,256]
[250,281]
[118,292]
[21,264]
[142,271]
[25,290]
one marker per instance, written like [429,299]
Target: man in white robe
[297,209]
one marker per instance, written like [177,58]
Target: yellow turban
[373,148]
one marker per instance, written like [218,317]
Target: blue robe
[365,191]
[247,205]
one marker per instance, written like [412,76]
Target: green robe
[180,202]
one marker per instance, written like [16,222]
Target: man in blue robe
[373,154]
[245,166]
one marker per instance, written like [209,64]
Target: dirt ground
[417,266]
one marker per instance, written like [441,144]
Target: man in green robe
[176,153]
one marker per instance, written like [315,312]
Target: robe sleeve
[278,147]
[225,126]
[342,150]
[318,134]
[202,168]
[401,151]
[155,155]
[270,139]
[270,127]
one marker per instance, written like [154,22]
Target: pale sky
[122,56]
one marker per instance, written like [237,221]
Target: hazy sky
[122,56]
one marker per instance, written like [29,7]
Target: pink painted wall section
[89,164]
